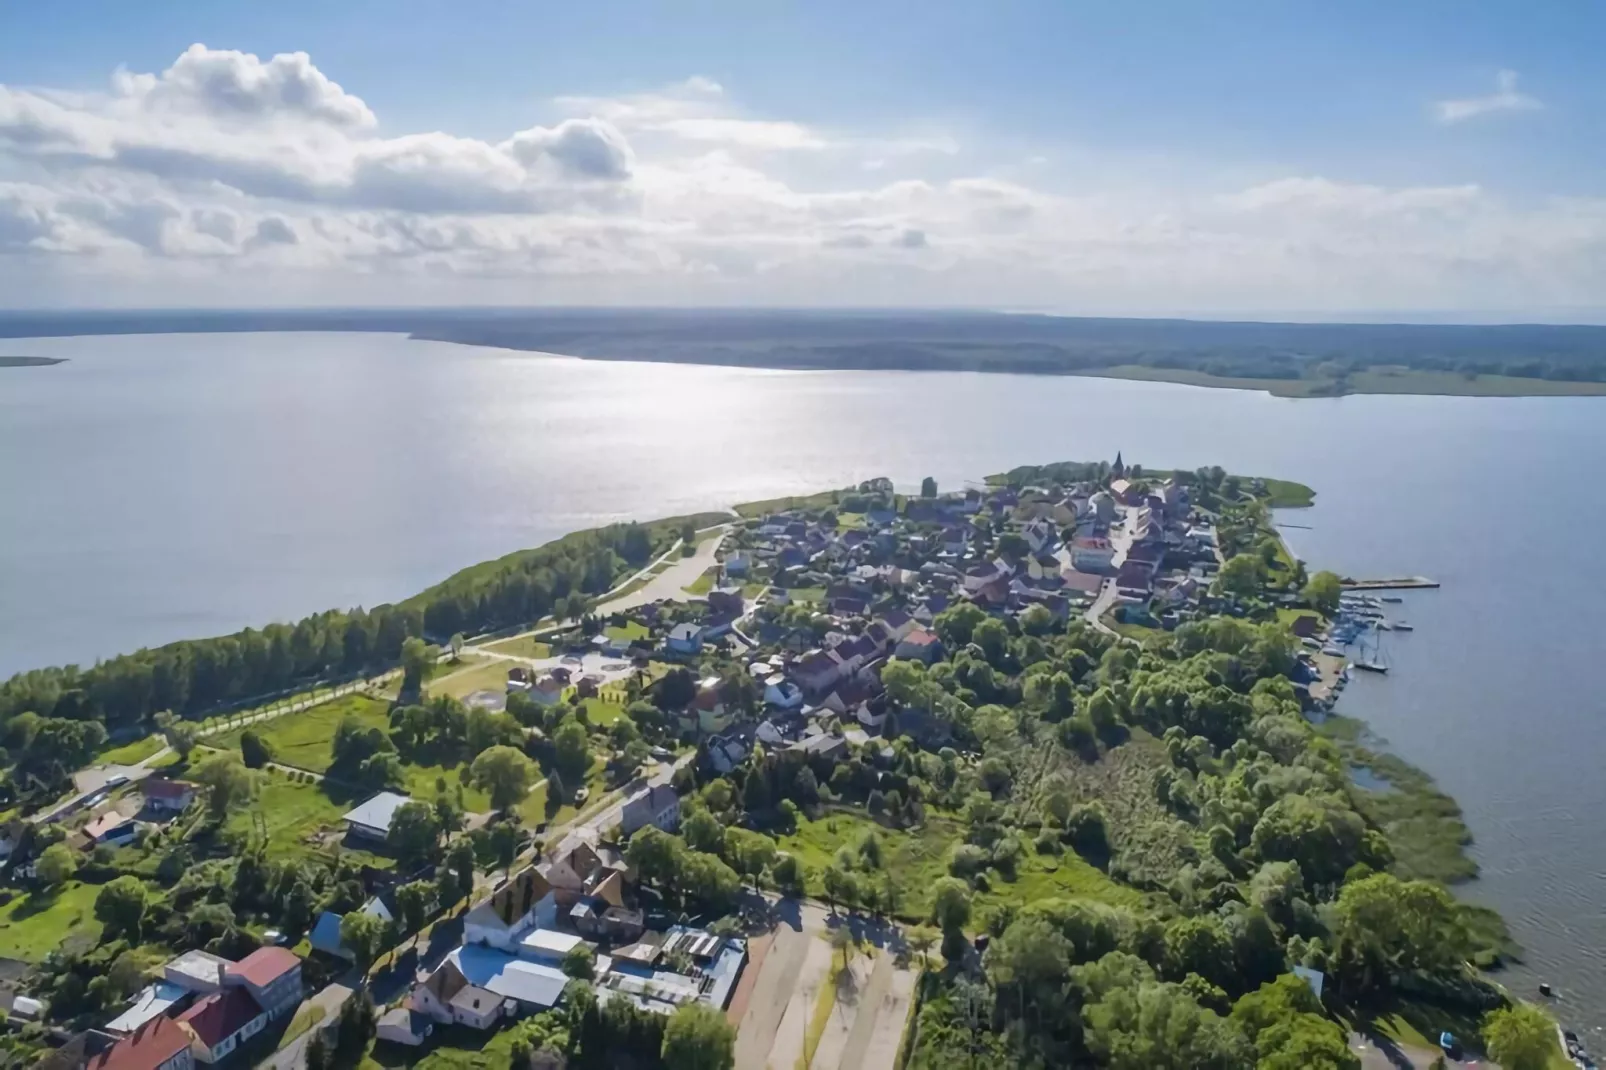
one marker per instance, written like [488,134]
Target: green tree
[1290,1031]
[121,905]
[789,875]
[228,783]
[1323,591]
[698,1037]
[363,935]
[1242,576]
[255,751]
[460,860]
[921,939]
[456,646]
[414,831]
[180,735]
[1384,928]
[571,751]
[950,904]
[504,773]
[750,853]
[417,661]
[413,900]
[56,865]
[702,831]
[580,963]
[1520,1037]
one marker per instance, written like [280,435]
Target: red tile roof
[221,1015]
[265,965]
[146,1048]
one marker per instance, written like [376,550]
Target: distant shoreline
[30,362]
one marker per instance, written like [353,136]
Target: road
[669,584]
[1121,539]
[331,998]
[1380,1053]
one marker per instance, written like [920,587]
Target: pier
[1407,583]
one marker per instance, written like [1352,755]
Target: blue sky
[1090,157]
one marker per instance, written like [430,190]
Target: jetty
[1406,583]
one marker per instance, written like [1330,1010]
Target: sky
[1363,160]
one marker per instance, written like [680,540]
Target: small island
[1036,772]
[30,362]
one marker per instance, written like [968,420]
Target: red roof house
[222,1020]
[160,1044]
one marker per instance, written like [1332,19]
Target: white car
[116,781]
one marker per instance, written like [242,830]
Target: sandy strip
[887,1034]
[788,1047]
[853,1013]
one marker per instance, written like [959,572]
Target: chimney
[222,973]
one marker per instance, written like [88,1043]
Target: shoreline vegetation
[30,362]
[1291,360]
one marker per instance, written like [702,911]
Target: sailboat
[1372,660]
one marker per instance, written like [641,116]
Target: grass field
[1286,494]
[32,926]
[600,712]
[771,505]
[627,632]
[450,1048]
[293,813]
[491,676]
[533,808]
[521,646]
[131,753]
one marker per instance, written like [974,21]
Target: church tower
[1118,469]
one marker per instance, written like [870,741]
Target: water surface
[161,487]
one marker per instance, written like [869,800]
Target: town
[725,809]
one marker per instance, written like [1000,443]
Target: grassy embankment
[1391,380]
[704,583]
[34,925]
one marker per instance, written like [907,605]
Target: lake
[161,487]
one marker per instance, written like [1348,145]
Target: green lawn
[293,814]
[492,676]
[132,753]
[1286,494]
[303,739]
[32,926]
[628,632]
[917,858]
[806,594]
[450,1048]
[772,505]
[533,809]
[521,646]
[601,712]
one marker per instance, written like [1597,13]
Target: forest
[55,718]
[935,341]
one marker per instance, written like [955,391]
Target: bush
[968,860]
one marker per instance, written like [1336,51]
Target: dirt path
[789,1038]
[892,1012]
[855,1008]
[767,1002]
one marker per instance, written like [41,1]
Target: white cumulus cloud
[1505,98]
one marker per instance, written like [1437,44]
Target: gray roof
[377,812]
[510,977]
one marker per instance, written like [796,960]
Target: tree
[922,938]
[842,940]
[751,853]
[1323,592]
[504,773]
[120,906]
[56,865]
[697,1037]
[456,645]
[316,1053]
[1290,1031]
[580,963]
[928,487]
[413,900]
[461,862]
[1520,1037]
[702,831]
[1242,576]
[950,904]
[840,886]
[571,751]
[1384,928]
[362,934]
[417,661]
[228,784]
[255,751]
[414,831]
[789,875]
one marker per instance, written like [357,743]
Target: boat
[1402,626]
[1391,598]
[1373,660]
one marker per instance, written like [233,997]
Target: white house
[447,997]
[371,820]
[1091,553]
[658,806]
[523,903]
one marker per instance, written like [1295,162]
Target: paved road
[1379,1053]
[331,998]
[1121,539]
[668,584]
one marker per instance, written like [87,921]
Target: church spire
[1117,470]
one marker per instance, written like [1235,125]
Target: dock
[1407,583]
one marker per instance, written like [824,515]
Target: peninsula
[1296,360]
[969,775]
[30,362]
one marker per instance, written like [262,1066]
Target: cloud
[1505,98]
[229,179]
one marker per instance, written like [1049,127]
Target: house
[160,1044]
[197,971]
[1134,580]
[597,918]
[778,596]
[447,997]
[152,1001]
[220,1022]
[402,1025]
[572,869]
[273,977]
[781,692]
[522,903]
[548,946]
[1102,508]
[168,796]
[548,690]
[994,594]
[113,828]
[1039,535]
[1092,553]
[737,564]
[371,820]
[897,623]
[817,672]
[611,646]
[658,806]
[979,576]
[529,986]
[325,935]
[1085,584]
[709,706]
[824,745]
[726,601]
[920,645]
[685,639]
[726,753]
[520,679]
